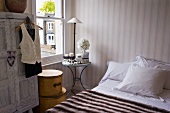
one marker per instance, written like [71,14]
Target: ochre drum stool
[50,87]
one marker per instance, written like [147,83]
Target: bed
[114,94]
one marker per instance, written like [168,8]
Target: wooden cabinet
[17,93]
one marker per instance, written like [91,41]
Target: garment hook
[28,22]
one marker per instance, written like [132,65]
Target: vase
[85,56]
[17,6]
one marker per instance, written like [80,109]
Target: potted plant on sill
[48,8]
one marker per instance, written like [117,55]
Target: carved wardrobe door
[17,93]
[7,81]
[26,88]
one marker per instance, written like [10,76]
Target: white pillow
[144,81]
[115,71]
[145,62]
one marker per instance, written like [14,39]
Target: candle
[71,54]
[66,55]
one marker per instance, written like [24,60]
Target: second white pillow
[144,81]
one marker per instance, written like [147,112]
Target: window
[50,25]
[50,39]
[52,22]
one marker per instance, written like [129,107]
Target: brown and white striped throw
[95,102]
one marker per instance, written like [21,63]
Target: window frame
[49,60]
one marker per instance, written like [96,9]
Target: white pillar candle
[66,55]
[71,54]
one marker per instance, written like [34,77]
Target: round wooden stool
[49,102]
[50,87]
[50,82]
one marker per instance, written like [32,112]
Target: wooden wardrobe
[17,93]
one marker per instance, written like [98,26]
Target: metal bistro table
[75,78]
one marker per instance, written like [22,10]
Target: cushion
[145,62]
[115,71]
[144,81]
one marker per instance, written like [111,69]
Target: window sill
[52,60]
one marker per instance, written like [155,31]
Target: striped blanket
[95,102]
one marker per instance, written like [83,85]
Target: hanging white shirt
[30,50]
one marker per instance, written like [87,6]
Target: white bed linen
[108,86]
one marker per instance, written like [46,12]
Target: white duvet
[107,87]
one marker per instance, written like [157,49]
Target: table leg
[81,76]
[74,80]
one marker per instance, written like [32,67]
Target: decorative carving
[11,57]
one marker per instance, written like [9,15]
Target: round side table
[74,77]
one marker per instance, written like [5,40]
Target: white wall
[28,10]
[118,30]
[121,29]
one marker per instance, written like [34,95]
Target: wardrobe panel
[26,90]
[4,96]
[7,96]
[21,66]
[7,86]
[2,40]
[3,72]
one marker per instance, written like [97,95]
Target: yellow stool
[49,102]
[50,87]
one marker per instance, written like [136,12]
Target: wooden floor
[71,94]
[36,109]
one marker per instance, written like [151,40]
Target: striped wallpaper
[119,30]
